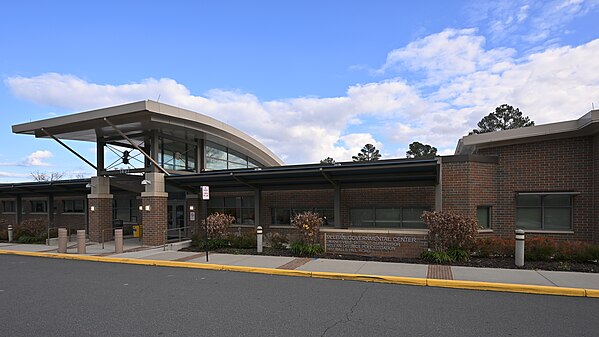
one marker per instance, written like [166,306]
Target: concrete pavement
[134,250]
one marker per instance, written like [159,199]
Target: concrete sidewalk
[134,250]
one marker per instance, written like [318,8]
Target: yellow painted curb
[592,293]
[507,287]
[456,284]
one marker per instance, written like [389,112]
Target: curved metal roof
[136,118]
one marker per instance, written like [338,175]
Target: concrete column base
[154,220]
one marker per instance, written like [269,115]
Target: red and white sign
[205,192]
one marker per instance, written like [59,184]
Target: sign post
[206,197]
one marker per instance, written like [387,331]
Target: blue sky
[309,79]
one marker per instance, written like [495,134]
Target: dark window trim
[543,195]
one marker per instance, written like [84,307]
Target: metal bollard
[9,233]
[118,241]
[81,241]
[259,238]
[63,239]
[519,248]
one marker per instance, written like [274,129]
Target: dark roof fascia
[475,158]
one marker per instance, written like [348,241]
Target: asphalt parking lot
[50,297]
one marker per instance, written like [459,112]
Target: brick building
[542,179]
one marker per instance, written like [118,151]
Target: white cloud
[5,174]
[450,53]
[38,158]
[469,82]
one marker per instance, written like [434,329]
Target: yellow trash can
[136,231]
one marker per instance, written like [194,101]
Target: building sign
[372,244]
[192,216]
[205,192]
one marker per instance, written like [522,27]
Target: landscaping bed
[480,262]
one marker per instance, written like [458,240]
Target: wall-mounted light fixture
[141,208]
[146,182]
[92,208]
[191,207]
[147,208]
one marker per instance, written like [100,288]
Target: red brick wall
[154,220]
[100,219]
[546,166]
[596,187]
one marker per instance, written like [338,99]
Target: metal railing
[180,235]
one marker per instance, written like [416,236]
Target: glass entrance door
[176,220]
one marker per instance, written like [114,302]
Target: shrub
[213,244]
[576,251]
[309,225]
[539,249]
[494,247]
[306,249]
[35,228]
[218,224]
[3,234]
[242,241]
[457,254]
[436,257]
[449,230]
[277,240]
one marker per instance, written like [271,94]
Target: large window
[39,206]
[220,157]
[176,155]
[73,206]
[124,210]
[404,217]
[8,206]
[242,208]
[282,216]
[545,212]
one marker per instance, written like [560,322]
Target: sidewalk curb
[425,282]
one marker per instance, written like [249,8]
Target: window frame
[32,209]
[13,207]
[402,222]
[73,208]
[489,209]
[542,208]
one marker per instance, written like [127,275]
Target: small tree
[218,224]
[421,151]
[47,176]
[367,153]
[448,230]
[328,160]
[309,225]
[504,117]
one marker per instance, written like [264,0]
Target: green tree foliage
[328,160]
[421,151]
[505,117]
[368,153]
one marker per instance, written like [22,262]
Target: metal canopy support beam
[19,210]
[50,210]
[243,181]
[68,148]
[337,206]
[100,155]
[257,207]
[137,147]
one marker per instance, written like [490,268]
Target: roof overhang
[384,173]
[584,126]
[134,119]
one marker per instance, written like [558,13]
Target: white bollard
[259,238]
[519,255]
[81,241]
[63,239]
[9,233]
[118,241]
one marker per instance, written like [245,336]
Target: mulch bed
[495,262]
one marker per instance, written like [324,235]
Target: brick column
[154,203]
[99,210]
[154,220]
